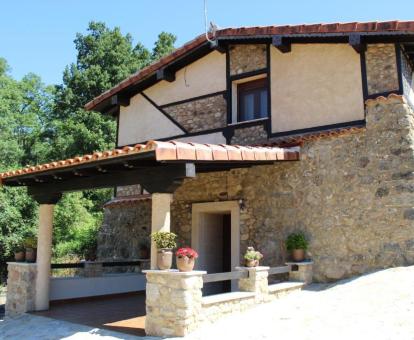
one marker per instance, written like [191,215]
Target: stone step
[281,289]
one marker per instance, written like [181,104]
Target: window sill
[249,122]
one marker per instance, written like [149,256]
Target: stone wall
[381,66]
[250,135]
[125,228]
[352,195]
[246,58]
[21,288]
[128,190]
[201,114]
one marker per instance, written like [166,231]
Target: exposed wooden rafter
[166,74]
[355,40]
[281,43]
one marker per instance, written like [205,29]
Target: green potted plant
[186,259]
[30,243]
[297,244]
[19,252]
[252,257]
[165,242]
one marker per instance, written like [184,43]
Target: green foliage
[296,241]
[164,239]
[252,254]
[30,242]
[40,123]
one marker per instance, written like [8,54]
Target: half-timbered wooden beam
[119,99]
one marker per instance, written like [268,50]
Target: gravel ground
[374,306]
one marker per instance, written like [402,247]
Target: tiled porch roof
[169,152]
[320,29]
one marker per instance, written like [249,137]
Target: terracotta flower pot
[164,259]
[185,264]
[30,255]
[298,255]
[252,263]
[19,256]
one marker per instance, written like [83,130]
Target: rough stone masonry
[352,196]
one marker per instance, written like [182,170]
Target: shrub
[30,242]
[296,241]
[164,239]
[252,254]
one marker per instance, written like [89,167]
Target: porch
[160,167]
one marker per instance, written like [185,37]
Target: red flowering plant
[186,252]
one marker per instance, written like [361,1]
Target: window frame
[256,87]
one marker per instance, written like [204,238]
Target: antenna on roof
[213,27]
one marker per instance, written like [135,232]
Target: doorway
[215,235]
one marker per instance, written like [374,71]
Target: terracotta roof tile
[385,26]
[170,151]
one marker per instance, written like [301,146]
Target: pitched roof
[323,29]
[167,151]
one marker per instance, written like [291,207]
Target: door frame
[232,207]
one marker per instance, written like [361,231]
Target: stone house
[342,94]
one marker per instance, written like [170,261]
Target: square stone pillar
[256,282]
[173,302]
[21,288]
[160,220]
[301,271]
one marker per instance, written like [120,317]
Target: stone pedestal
[256,282]
[301,271]
[21,288]
[173,301]
[92,269]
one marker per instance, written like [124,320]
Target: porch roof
[157,166]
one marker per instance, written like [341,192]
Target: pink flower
[188,252]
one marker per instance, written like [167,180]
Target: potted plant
[186,259]
[297,244]
[165,242]
[30,244]
[252,257]
[19,253]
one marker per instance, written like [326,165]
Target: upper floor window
[252,100]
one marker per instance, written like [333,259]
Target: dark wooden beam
[119,99]
[281,43]
[219,47]
[355,40]
[165,74]
[165,178]
[49,198]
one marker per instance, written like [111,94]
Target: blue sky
[37,36]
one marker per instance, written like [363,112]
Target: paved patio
[123,313]
[375,306]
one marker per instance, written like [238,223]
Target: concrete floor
[121,313]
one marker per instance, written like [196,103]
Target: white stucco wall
[141,121]
[204,76]
[315,85]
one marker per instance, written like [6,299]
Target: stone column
[173,301]
[44,253]
[256,282]
[21,288]
[301,271]
[160,220]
